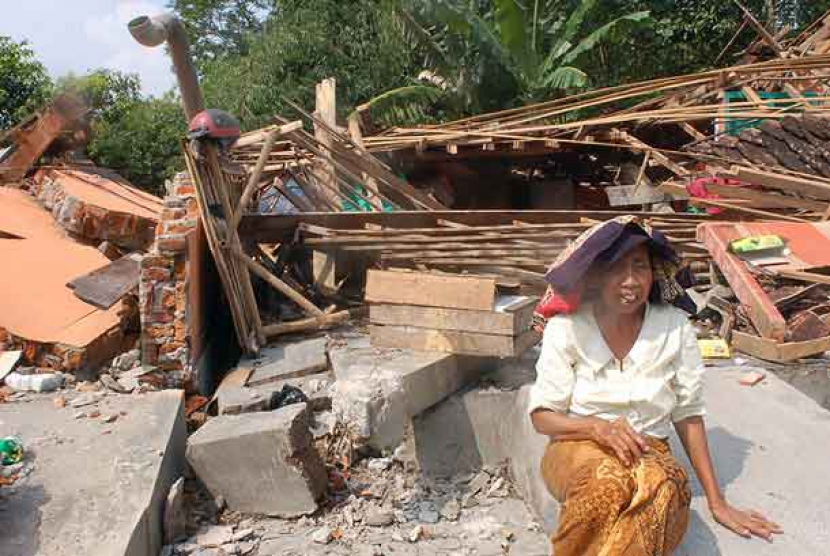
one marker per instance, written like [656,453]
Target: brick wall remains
[163,288]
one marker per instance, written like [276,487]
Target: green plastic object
[782,101]
[11,450]
[755,244]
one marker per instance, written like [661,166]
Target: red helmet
[214,124]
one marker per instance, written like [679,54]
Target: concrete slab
[289,360]
[97,489]
[261,463]
[240,399]
[769,444]
[378,390]
[764,440]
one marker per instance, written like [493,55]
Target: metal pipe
[152,32]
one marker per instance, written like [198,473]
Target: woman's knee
[599,500]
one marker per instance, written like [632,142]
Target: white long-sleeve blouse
[660,381]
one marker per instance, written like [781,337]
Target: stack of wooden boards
[448,313]
[518,251]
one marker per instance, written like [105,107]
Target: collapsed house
[60,235]
[320,291]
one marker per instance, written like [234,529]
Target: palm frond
[572,26]
[609,31]
[436,58]
[404,105]
[513,24]
[486,40]
[565,77]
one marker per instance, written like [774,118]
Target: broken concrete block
[289,360]
[373,405]
[175,516]
[236,400]
[261,463]
[378,390]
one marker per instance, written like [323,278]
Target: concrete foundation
[261,463]
[763,441]
[97,488]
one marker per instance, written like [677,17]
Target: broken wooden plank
[761,199]
[105,286]
[450,341]
[818,188]
[802,276]
[769,350]
[512,316]
[305,325]
[760,308]
[431,290]
[292,294]
[327,112]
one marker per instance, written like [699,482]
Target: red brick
[155,274]
[173,213]
[170,347]
[171,243]
[157,260]
[180,269]
[180,331]
[178,227]
[158,330]
[168,299]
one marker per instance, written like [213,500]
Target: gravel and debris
[382,507]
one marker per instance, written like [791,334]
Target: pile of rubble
[384,507]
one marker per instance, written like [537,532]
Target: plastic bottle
[11,450]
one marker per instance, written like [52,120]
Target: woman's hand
[744,523]
[620,437]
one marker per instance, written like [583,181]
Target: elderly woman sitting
[619,365]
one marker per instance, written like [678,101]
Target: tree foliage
[220,28]
[533,50]
[108,94]
[410,60]
[24,83]
[688,36]
[302,43]
[143,143]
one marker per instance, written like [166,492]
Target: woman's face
[624,286]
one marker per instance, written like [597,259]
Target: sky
[81,35]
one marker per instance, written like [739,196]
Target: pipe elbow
[153,31]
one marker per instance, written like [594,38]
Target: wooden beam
[326,96]
[305,325]
[766,36]
[670,188]
[818,188]
[511,321]
[802,276]
[253,180]
[431,290]
[357,138]
[769,350]
[761,310]
[280,228]
[278,284]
